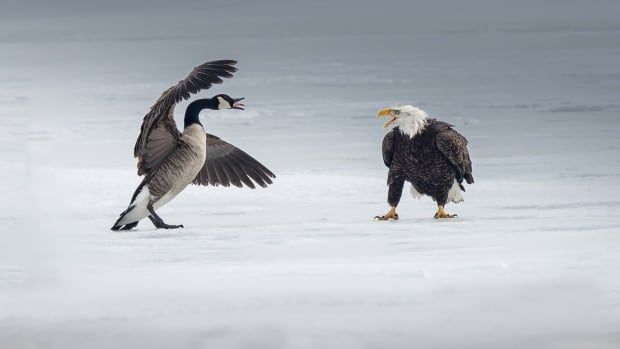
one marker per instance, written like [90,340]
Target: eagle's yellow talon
[391,215]
[443,214]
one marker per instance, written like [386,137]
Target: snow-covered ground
[532,261]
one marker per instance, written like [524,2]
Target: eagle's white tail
[455,194]
[415,193]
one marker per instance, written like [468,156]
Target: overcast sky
[382,10]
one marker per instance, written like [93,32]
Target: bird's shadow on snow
[425,220]
[158,233]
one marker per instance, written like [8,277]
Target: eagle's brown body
[431,161]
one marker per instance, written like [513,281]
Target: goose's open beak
[387,112]
[237,104]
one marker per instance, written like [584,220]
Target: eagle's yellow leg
[391,214]
[443,214]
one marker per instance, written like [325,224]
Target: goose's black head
[219,102]
[227,102]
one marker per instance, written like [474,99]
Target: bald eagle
[427,153]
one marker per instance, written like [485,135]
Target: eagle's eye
[396,112]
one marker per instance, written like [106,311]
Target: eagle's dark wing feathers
[454,147]
[388,148]
[159,134]
[227,164]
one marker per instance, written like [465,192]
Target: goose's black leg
[154,221]
[158,222]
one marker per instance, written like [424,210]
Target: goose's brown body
[180,167]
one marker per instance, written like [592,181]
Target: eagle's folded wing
[387,148]
[454,147]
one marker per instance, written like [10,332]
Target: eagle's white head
[409,119]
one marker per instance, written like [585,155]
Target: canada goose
[171,160]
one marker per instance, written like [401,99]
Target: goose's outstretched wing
[454,147]
[159,134]
[227,164]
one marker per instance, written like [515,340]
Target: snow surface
[532,260]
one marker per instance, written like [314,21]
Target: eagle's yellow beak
[387,112]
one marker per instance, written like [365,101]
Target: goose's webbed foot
[171,226]
[160,224]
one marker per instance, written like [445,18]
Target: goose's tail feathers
[136,211]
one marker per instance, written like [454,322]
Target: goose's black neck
[194,108]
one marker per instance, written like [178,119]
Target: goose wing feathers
[159,134]
[226,164]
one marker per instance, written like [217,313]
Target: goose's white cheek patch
[223,104]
